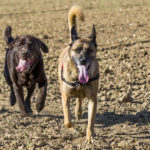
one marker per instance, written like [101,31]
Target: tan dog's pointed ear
[93,35]
[43,46]
[74,35]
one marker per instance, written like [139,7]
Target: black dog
[24,67]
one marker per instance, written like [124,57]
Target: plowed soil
[123,113]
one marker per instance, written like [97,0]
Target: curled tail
[74,12]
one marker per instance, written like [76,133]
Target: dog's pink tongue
[23,65]
[83,74]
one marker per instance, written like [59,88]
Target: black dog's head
[83,53]
[27,49]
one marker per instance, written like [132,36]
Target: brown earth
[123,37]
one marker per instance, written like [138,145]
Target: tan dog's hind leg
[91,119]
[78,109]
[66,110]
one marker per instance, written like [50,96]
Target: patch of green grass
[27,140]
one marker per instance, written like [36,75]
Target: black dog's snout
[25,53]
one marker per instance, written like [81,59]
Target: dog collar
[76,84]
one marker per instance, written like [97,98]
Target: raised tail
[74,12]
[7,35]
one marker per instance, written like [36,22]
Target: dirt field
[123,37]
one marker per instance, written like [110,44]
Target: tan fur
[78,109]
[70,73]
[74,13]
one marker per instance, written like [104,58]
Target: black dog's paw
[12,98]
[39,106]
[29,110]
[23,114]
[28,107]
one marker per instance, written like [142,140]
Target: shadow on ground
[111,118]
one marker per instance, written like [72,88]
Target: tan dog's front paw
[69,125]
[90,139]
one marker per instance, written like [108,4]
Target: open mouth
[83,76]
[23,65]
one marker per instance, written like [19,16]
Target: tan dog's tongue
[83,74]
[23,65]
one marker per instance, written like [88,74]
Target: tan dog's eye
[78,50]
[89,50]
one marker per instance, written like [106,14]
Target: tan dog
[78,72]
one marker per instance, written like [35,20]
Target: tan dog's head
[83,53]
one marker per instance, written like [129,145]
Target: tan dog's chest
[80,91]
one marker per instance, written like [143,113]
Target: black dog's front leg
[42,95]
[27,101]
[12,96]
[20,99]
[9,82]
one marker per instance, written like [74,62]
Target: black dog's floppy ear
[7,35]
[43,46]
[93,35]
[74,35]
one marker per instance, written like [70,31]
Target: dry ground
[123,36]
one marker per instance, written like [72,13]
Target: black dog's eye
[30,45]
[20,44]
[78,50]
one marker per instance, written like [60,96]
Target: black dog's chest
[25,79]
